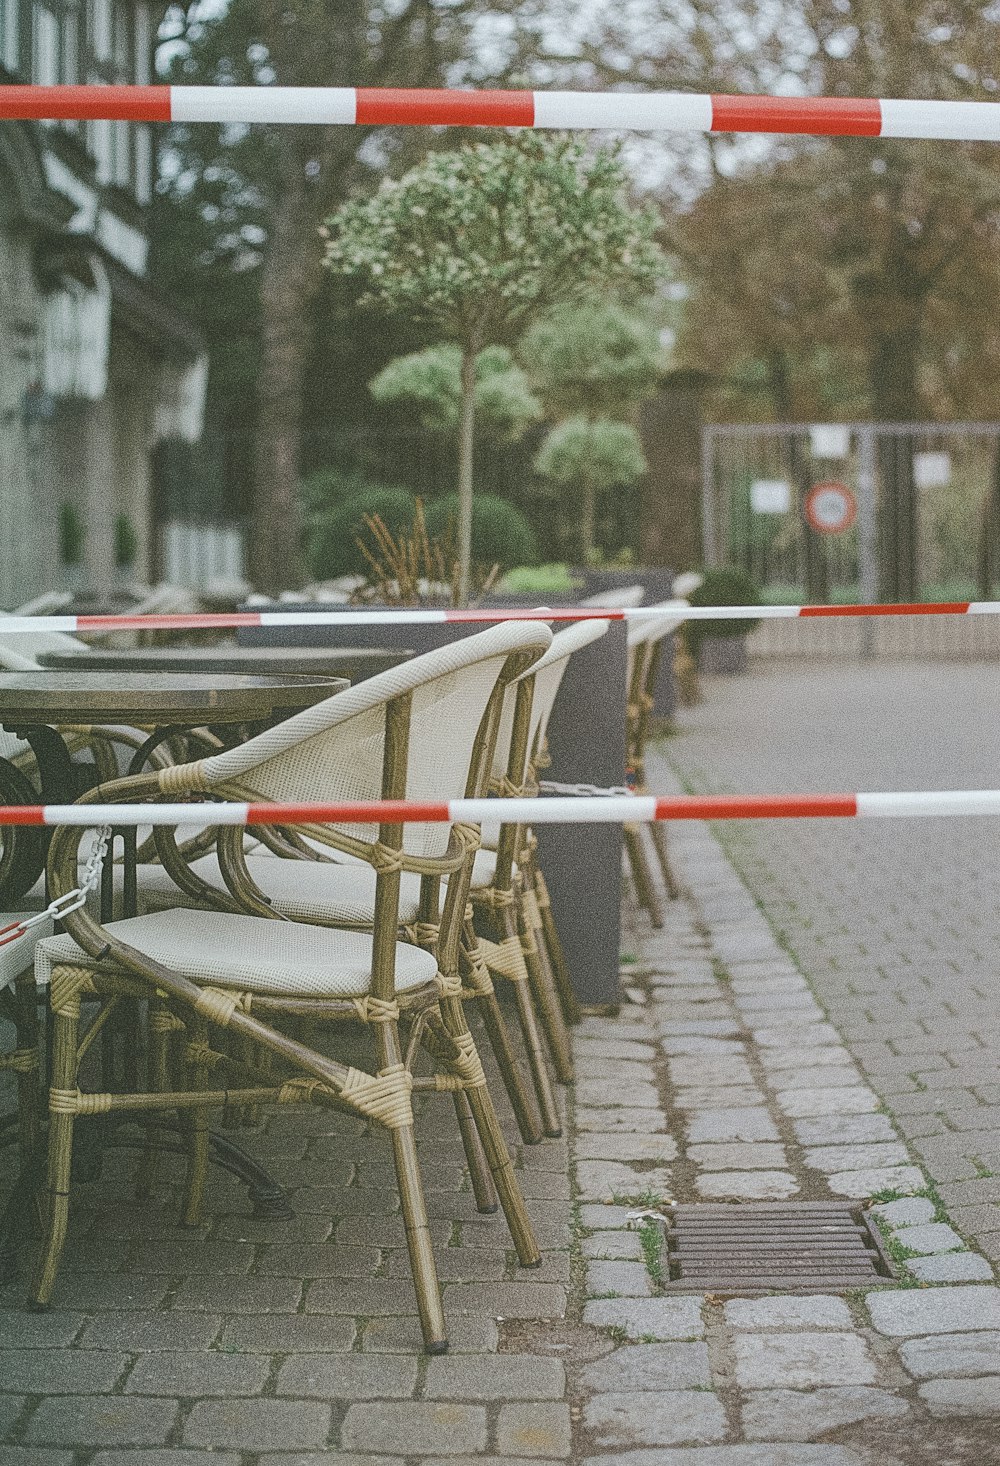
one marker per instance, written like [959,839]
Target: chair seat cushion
[281,958]
[303,889]
[17,951]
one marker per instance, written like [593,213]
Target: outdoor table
[352,662]
[31,703]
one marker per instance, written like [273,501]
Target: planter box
[723,656]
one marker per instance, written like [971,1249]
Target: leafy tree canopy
[430,382]
[594,358]
[601,454]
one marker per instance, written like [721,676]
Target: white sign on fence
[770,496]
[829,440]
[931,470]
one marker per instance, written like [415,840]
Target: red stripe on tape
[22,814]
[381,811]
[818,116]
[756,806]
[129,104]
[191,622]
[426,107]
[902,608]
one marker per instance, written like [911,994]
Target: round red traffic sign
[830,507]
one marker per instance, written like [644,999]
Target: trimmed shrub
[501,534]
[723,585]
[331,534]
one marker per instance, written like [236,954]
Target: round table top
[184,699]
[353,662]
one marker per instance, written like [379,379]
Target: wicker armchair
[225,988]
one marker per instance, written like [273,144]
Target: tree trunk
[289,274]
[895,398]
[588,522]
[466,432]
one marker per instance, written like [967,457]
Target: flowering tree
[430,381]
[481,241]
[591,456]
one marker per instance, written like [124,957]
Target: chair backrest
[335,750]
[626,597]
[19,650]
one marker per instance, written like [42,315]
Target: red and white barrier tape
[417,616]
[409,107]
[596,809]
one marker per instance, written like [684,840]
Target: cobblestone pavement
[251,1343]
[896,923]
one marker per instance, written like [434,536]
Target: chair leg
[536,1059]
[557,956]
[495,1147]
[65,1028]
[642,875]
[482,1181]
[659,835]
[521,1098]
[411,1196]
[196,1078]
[159,1027]
[27,1074]
[547,1002]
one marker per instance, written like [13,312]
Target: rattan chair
[213,977]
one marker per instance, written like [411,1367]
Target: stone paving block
[660,1318]
[863,1157]
[746,1185]
[514,1299]
[318,1458]
[11,1407]
[742,1455]
[727,1098]
[50,1456]
[418,1427]
[467,1334]
[954,1355]
[60,1371]
[201,1293]
[348,1376]
[602,1147]
[941,1311]
[101,1420]
[951,1267]
[534,1430]
[738,1156]
[644,1419]
[600,1217]
[110,1292]
[208,1372]
[790,1034]
[802,1361]
[612,1121]
[22,1330]
[976,1397]
[819,1311]
[258,1424]
[608,1180]
[931,1237]
[731,1124]
[858,1184]
[694,1044]
[499,1377]
[803,1103]
[626,1279]
[912,1211]
[708,1070]
[168,1456]
[614,1048]
[615,1093]
[826,1056]
[801,1415]
[634,1367]
[833,1078]
[317,1260]
[711,1027]
[610,1245]
[189,1255]
[278,1333]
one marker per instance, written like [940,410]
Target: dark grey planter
[723,656]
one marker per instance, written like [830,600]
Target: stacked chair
[230,985]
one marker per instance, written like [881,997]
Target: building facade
[96,368]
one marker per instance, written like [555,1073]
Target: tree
[589,457]
[595,358]
[482,240]
[242,207]
[430,382]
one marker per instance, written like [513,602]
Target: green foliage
[71,534]
[723,585]
[331,535]
[126,542]
[553,578]
[599,455]
[430,382]
[501,534]
[593,358]
[479,240]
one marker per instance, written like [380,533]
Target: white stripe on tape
[351,618]
[323,105]
[949,121]
[932,802]
[147,814]
[676,111]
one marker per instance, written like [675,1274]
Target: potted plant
[720,646]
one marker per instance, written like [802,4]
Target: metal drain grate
[761,1246]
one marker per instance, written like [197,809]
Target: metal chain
[70,900]
[550,786]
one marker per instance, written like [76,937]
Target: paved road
[896,924]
